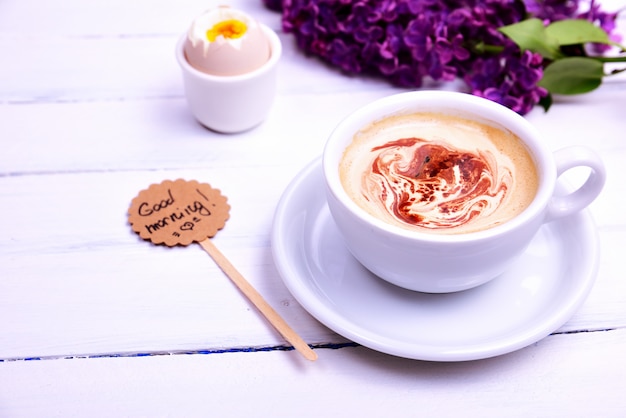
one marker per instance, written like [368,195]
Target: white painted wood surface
[92,111]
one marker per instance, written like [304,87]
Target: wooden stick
[255,297]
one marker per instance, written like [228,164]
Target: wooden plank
[70,263]
[75,18]
[162,135]
[574,376]
[118,68]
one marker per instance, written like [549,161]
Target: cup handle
[570,157]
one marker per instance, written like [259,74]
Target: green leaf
[531,34]
[576,31]
[572,75]
[546,102]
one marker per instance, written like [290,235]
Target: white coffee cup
[231,104]
[440,263]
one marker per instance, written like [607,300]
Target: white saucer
[538,295]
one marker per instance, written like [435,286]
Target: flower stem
[609,59]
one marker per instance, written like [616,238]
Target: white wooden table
[96,322]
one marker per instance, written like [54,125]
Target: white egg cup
[231,104]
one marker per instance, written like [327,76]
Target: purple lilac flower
[509,79]
[552,10]
[410,41]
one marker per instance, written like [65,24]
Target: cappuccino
[438,173]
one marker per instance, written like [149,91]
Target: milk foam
[438,173]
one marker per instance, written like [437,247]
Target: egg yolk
[229,29]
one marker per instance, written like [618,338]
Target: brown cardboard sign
[181,212]
[178,212]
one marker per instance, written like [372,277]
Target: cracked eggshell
[226,56]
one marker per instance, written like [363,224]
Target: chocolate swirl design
[433,185]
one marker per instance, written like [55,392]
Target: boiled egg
[226,42]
